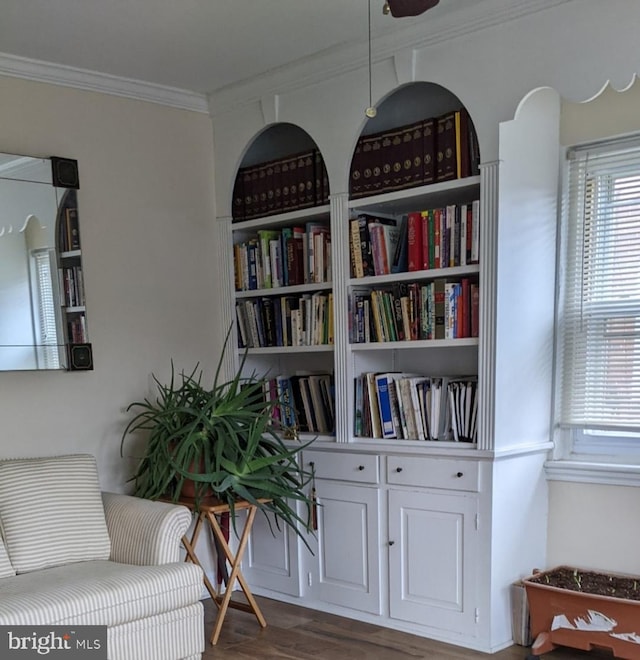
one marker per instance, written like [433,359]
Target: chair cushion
[6,569]
[51,511]
[101,593]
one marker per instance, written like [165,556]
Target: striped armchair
[71,555]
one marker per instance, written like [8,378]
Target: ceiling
[196,45]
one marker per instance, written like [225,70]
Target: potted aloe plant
[218,440]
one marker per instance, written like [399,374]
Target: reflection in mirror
[31,324]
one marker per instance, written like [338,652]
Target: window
[45,308]
[598,404]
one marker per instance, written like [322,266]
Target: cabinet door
[432,559]
[348,545]
[271,560]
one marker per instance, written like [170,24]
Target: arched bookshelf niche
[283,283]
[422,134]
[282,171]
[414,287]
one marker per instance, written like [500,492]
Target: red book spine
[437,233]
[414,241]
[425,239]
[475,310]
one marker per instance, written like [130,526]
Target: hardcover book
[446,166]
[429,150]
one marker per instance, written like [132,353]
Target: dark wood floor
[297,633]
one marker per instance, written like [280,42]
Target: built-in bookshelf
[71,283]
[406,245]
[413,313]
[283,285]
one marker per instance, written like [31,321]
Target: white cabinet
[272,557]
[433,540]
[432,559]
[347,565]
[416,525]
[348,546]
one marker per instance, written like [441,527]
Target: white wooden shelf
[416,344]
[285,290]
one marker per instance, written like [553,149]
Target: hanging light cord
[370,111]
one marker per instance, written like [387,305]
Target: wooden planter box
[563,617]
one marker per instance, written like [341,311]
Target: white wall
[146,218]
[593,525]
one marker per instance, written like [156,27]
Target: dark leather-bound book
[286,175]
[306,179]
[270,187]
[408,148]
[474,149]
[356,175]
[463,144]
[292,180]
[416,141]
[263,187]
[446,167]
[245,173]
[237,209]
[277,186]
[391,143]
[321,180]
[429,150]
[371,164]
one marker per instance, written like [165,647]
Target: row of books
[72,286]
[409,311]
[283,257]
[305,402]
[295,182]
[77,329]
[441,237]
[68,227]
[405,406]
[430,150]
[304,320]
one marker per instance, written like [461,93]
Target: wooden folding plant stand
[207,510]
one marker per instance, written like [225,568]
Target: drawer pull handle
[391,542]
[398,469]
[360,467]
[459,474]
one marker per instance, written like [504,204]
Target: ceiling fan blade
[400,8]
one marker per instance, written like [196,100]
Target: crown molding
[334,62]
[56,74]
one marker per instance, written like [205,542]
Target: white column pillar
[341,273]
[489,173]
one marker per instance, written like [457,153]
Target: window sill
[593,472]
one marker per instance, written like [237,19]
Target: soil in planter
[591,582]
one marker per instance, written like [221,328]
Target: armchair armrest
[143,532]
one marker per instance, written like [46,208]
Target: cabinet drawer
[433,472]
[343,466]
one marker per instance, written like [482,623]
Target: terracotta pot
[562,617]
[189,485]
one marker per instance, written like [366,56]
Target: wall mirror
[42,306]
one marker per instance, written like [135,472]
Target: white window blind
[48,353]
[599,314]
